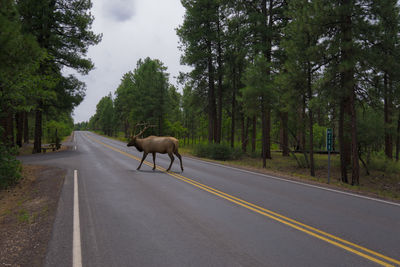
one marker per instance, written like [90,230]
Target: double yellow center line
[334,240]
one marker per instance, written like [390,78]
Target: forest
[273,75]
[37,40]
[266,76]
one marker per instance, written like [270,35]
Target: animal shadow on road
[155,171]
[148,171]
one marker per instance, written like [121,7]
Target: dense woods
[37,40]
[274,75]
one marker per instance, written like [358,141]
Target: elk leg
[144,156]
[154,160]
[180,158]
[172,160]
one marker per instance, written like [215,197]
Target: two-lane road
[209,215]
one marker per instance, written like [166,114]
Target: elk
[155,144]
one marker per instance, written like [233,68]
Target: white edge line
[294,182]
[76,242]
[300,183]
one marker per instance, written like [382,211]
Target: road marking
[334,240]
[76,242]
[300,183]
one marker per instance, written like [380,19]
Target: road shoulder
[27,214]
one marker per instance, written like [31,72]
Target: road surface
[208,215]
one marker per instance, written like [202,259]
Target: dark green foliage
[63,31]
[217,151]
[145,95]
[105,114]
[10,167]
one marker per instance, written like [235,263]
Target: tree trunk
[303,142]
[388,118]
[285,134]
[254,134]
[243,141]
[26,127]
[233,110]
[220,89]
[398,139]
[311,122]
[343,143]
[37,145]
[245,132]
[264,134]
[355,176]
[19,120]
[7,123]
[268,133]
[211,96]
[348,83]
[333,128]
[303,127]
[266,40]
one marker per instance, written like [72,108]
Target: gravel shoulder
[27,213]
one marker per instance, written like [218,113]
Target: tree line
[37,40]
[144,95]
[275,73]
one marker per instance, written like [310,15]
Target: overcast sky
[132,29]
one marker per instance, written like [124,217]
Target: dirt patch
[27,214]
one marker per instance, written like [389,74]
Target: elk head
[133,139]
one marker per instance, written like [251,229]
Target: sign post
[329,139]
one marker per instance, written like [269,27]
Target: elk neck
[138,144]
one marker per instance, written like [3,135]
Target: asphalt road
[209,215]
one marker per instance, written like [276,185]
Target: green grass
[23,216]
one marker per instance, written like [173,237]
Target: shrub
[217,151]
[10,167]
[381,163]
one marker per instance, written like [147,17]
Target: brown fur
[156,144]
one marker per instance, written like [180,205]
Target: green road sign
[329,139]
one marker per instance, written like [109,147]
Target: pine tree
[199,37]
[63,29]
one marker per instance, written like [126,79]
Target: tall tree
[63,29]
[199,37]
[304,59]
[19,58]
[384,43]
[106,114]
[144,96]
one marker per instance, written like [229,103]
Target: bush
[381,163]
[217,151]
[10,167]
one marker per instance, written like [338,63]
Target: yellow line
[299,223]
[273,215]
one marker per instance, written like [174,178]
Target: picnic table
[52,146]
